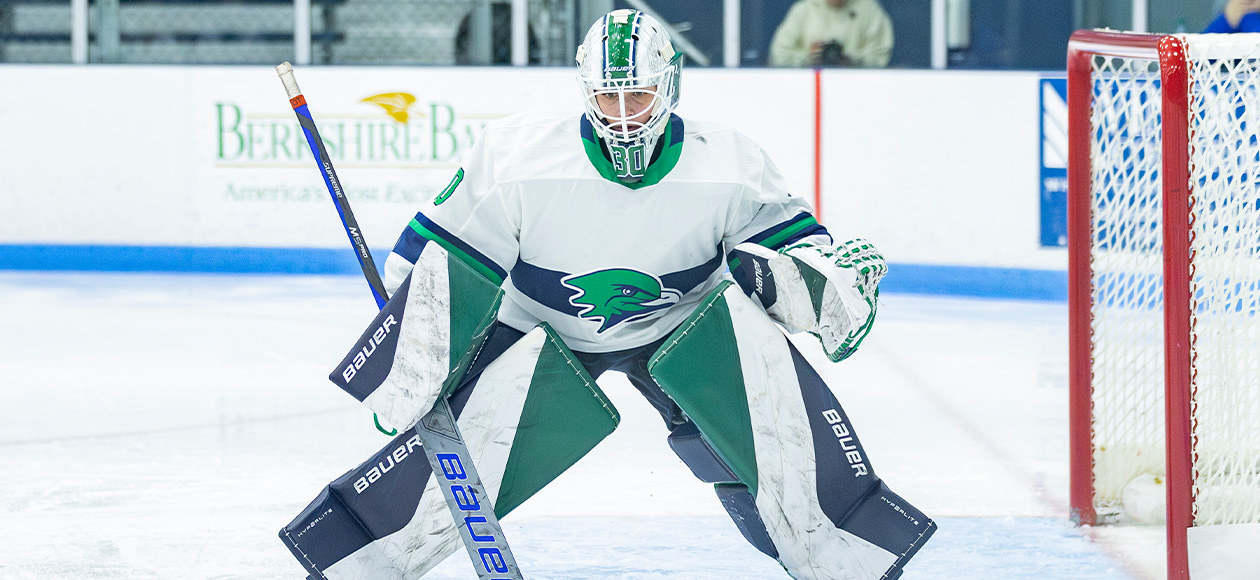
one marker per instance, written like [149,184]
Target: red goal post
[1164,280]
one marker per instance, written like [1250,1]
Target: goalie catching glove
[830,292]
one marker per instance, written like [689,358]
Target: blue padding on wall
[1020,283]
[183,259]
[1016,283]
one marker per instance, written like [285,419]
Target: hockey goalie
[622,239]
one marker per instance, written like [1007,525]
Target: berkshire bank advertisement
[394,146]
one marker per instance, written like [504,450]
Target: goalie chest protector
[610,266]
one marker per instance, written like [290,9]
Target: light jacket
[862,27]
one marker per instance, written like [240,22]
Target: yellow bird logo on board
[396,105]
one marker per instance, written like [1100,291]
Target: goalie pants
[633,362]
[684,438]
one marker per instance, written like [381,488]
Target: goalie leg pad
[690,446]
[528,416]
[418,346]
[742,508]
[771,418]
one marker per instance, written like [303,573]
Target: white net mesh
[1127,278]
[1225,269]
[1126,259]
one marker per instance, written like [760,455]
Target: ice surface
[167,426]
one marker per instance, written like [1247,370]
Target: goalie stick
[439,434]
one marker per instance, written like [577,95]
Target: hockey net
[1164,245]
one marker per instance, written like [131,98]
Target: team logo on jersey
[618,295]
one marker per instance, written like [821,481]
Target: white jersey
[609,266]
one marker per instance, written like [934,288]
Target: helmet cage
[624,124]
[628,63]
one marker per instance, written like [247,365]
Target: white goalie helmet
[629,73]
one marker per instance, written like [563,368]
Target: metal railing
[441,32]
[385,32]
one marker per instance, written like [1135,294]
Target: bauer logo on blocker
[368,349]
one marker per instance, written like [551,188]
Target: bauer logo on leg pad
[851,451]
[398,455]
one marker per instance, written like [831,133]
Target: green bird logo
[618,295]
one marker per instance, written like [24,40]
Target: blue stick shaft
[439,433]
[324,162]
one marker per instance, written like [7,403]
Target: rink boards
[153,167]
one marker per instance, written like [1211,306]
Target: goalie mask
[628,72]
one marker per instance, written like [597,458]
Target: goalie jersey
[538,208]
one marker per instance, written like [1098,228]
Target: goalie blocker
[423,341]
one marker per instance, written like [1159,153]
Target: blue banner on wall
[1054,162]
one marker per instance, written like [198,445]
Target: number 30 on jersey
[627,160]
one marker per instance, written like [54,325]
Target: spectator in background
[1238,16]
[834,33]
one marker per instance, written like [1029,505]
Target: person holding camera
[833,33]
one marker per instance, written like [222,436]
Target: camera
[833,55]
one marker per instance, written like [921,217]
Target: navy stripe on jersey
[687,280]
[587,130]
[545,287]
[459,247]
[780,235]
[813,230]
[676,129]
[410,244]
